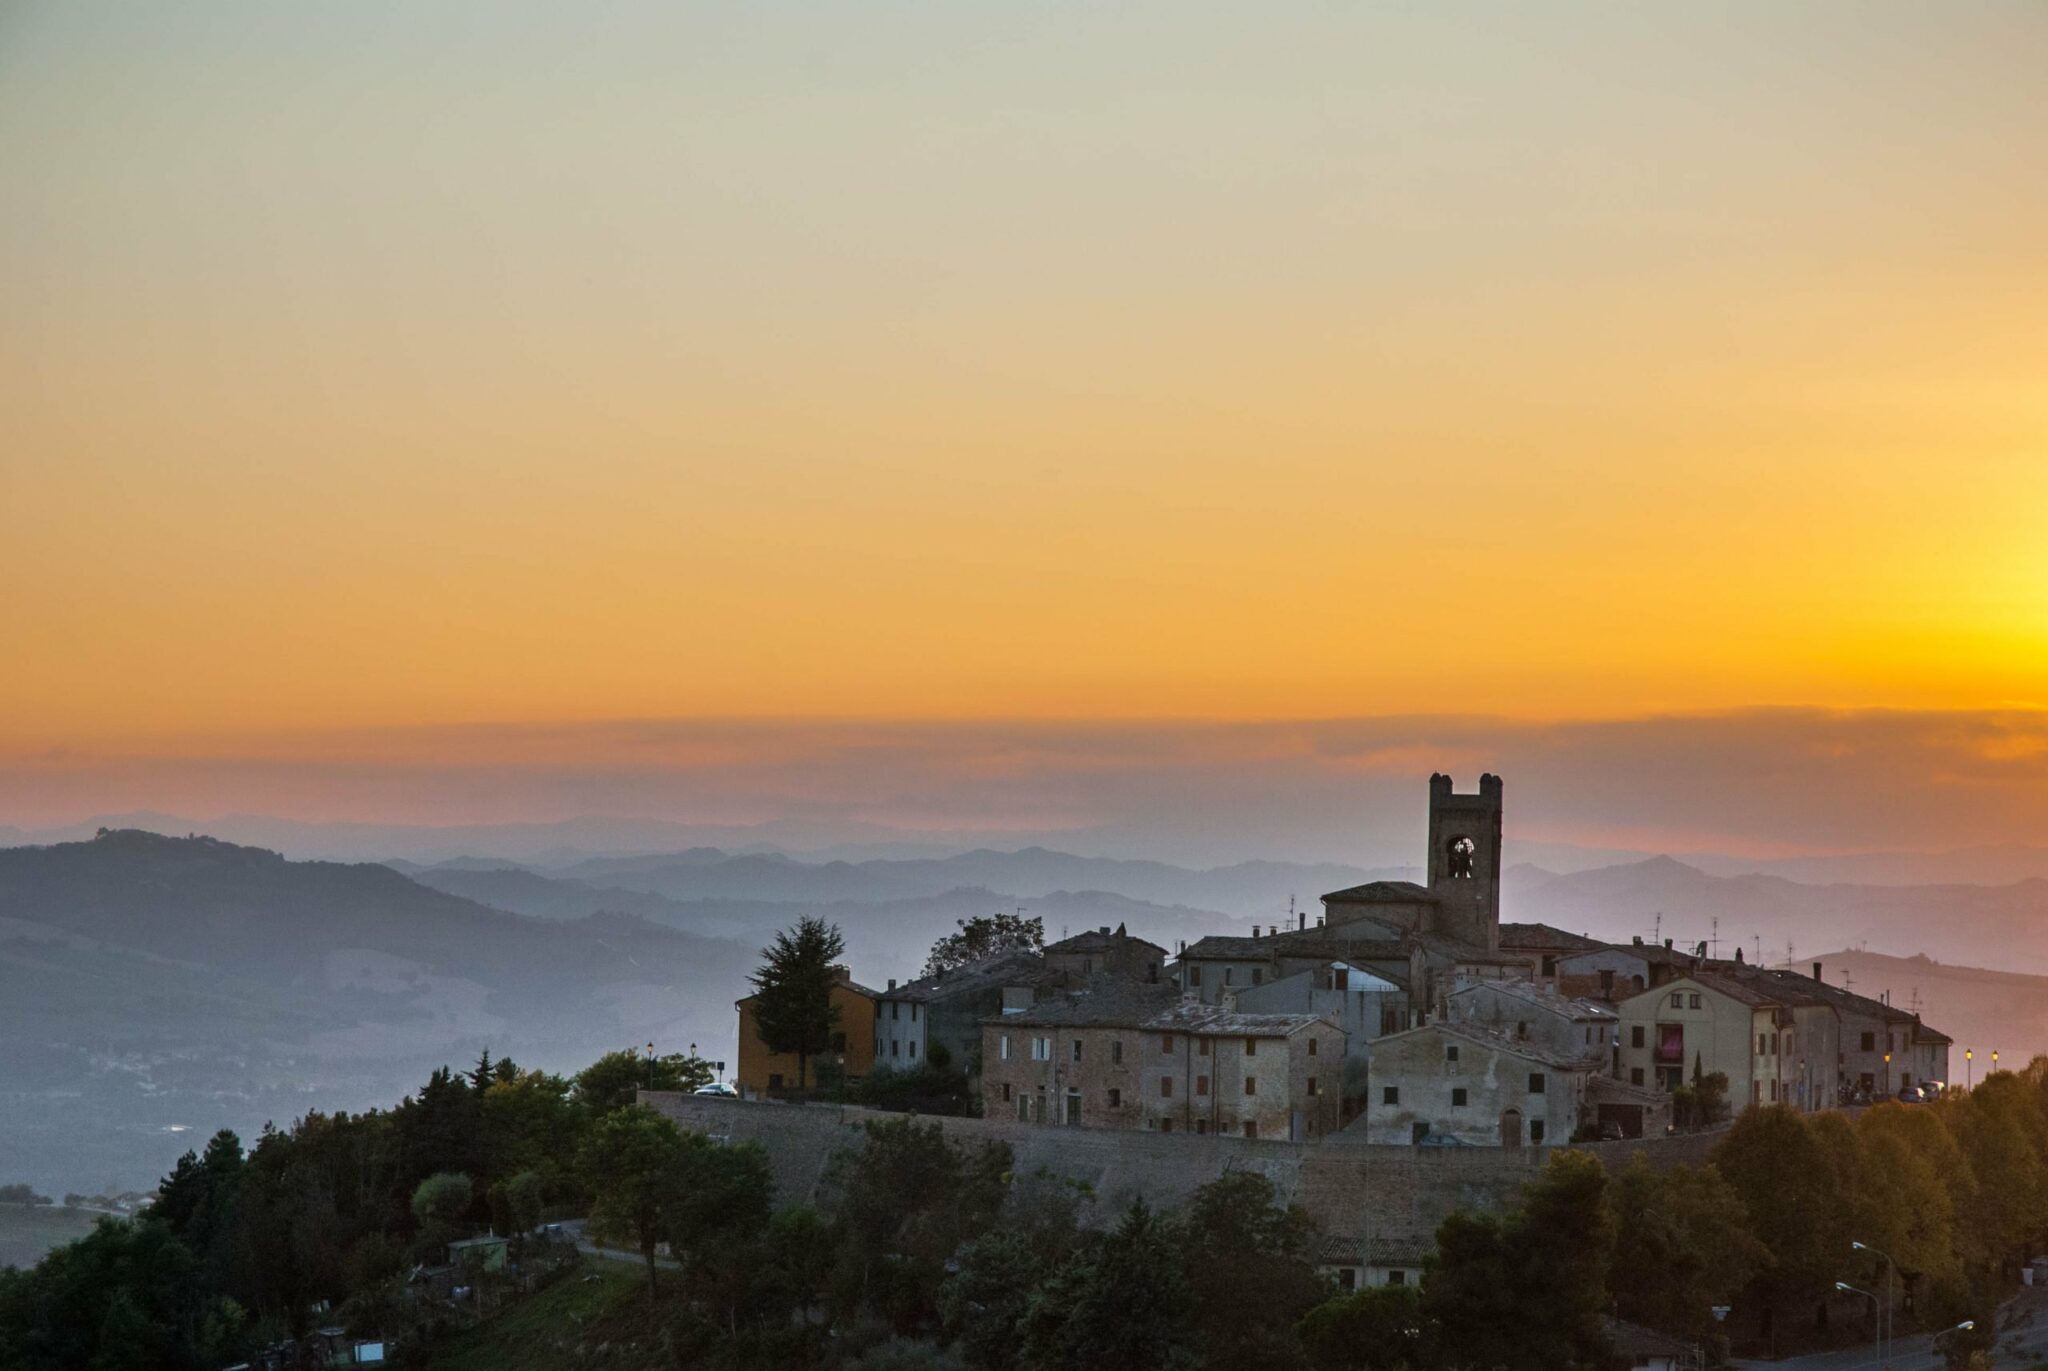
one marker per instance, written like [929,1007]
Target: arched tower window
[1460,864]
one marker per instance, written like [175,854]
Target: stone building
[762,1072]
[1364,1005]
[942,1014]
[1101,951]
[1462,900]
[1134,1056]
[1073,1059]
[1528,1011]
[1776,1043]
[1456,1084]
[1209,1069]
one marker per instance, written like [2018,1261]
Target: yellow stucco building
[762,1072]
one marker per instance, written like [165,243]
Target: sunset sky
[393,394]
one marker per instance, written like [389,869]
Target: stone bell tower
[1464,861]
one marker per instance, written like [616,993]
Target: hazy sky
[370,366]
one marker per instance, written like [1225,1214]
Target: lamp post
[1894,1270]
[1877,1337]
[1969,1068]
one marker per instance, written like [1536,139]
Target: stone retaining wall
[1355,1190]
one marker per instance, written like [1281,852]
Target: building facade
[1452,1084]
[762,1072]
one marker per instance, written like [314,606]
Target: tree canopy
[793,1009]
[985,935]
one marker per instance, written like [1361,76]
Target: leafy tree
[722,1194]
[793,1009]
[985,935]
[1792,1192]
[632,1161]
[1251,1268]
[443,1198]
[1382,1328]
[1682,1246]
[614,1080]
[1122,1301]
[23,1194]
[908,1199]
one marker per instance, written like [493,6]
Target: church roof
[1382,892]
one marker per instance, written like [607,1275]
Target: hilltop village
[1405,1015]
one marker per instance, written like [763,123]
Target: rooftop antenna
[1714,942]
[1848,979]
[1657,929]
[1759,949]
[1791,957]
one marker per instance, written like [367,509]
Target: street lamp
[1878,1342]
[1894,1266]
[1969,1068]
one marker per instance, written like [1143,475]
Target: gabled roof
[1544,938]
[1380,1249]
[1101,940]
[1105,1002]
[1191,1016]
[1004,968]
[847,983]
[1544,998]
[1382,892]
[1523,1048]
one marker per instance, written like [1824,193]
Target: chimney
[1816,971]
[1639,940]
[1105,930]
[1255,930]
[1606,984]
[1667,944]
[892,982]
[1738,955]
[1303,920]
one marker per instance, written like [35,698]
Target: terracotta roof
[1100,940]
[1191,1017]
[1379,1249]
[1524,1048]
[1004,968]
[1544,938]
[1383,892]
[1104,1002]
[1543,997]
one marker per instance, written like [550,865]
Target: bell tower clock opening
[1464,860]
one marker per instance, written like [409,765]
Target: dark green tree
[614,1080]
[1682,1246]
[1251,1268]
[793,1009]
[1120,1302]
[982,936]
[1382,1328]
[633,1161]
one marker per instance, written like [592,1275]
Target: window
[913,1049]
[895,1048]
[1201,1047]
[1041,1049]
[1166,1042]
[1635,1036]
[1116,1098]
[1166,1125]
[1311,1047]
[895,1010]
[1313,1087]
[1535,1082]
[1251,1085]
[1166,1087]
[1258,975]
[1251,1047]
[1201,1085]
[1458,1098]
[1635,1075]
[1251,1128]
[1077,1049]
[1549,964]
[1116,1052]
[1347,1278]
[1390,1094]
[1397,1277]
[1870,1042]
[1678,999]
[1195,975]
[913,1012]
[1201,1125]
[1006,1092]
[1536,1130]
[1229,974]
[1023,1109]
[1693,1000]
[1003,1047]
[1451,1053]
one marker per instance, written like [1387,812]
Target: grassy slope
[26,1233]
[604,1302]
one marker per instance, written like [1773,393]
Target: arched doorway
[1511,1128]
